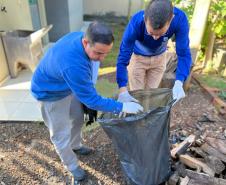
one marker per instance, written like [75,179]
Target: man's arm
[183,49]
[184,57]
[126,49]
[79,81]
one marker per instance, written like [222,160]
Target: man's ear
[85,42]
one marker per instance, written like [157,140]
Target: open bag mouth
[151,100]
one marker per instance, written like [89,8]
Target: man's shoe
[84,150]
[78,174]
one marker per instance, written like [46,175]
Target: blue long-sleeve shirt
[137,40]
[66,69]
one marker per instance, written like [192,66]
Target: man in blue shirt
[143,49]
[63,82]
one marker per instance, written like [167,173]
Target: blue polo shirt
[137,40]
[66,69]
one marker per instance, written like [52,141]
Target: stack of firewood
[199,161]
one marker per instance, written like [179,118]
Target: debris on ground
[28,157]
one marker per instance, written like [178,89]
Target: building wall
[17,16]
[57,15]
[75,14]
[43,21]
[119,7]
[4,72]
[65,15]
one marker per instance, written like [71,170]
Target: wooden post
[224,74]
[197,29]
[129,9]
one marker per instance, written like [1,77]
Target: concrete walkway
[16,101]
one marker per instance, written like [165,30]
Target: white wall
[119,7]
[75,14]
[17,16]
[4,71]
[65,15]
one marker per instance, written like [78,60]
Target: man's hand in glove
[178,91]
[126,97]
[132,108]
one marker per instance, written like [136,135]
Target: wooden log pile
[199,160]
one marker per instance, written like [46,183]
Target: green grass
[213,81]
[110,60]
[222,95]
[106,89]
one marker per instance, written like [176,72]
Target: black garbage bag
[141,141]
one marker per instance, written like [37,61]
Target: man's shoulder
[138,17]
[69,41]
[180,19]
[178,12]
[76,34]
[69,50]
[71,36]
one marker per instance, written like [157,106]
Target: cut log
[218,144]
[199,142]
[196,164]
[173,180]
[216,164]
[182,147]
[212,151]
[195,182]
[213,162]
[204,178]
[198,151]
[184,181]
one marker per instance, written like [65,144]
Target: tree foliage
[187,6]
[217,14]
[217,17]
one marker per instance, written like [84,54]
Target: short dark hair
[99,32]
[158,12]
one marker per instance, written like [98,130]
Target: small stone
[184,132]
[2,157]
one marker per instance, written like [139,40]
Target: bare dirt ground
[28,157]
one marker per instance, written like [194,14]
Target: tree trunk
[224,73]
[129,9]
[143,4]
[197,28]
[209,51]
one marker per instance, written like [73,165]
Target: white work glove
[132,108]
[126,97]
[178,91]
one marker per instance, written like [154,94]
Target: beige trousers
[146,72]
